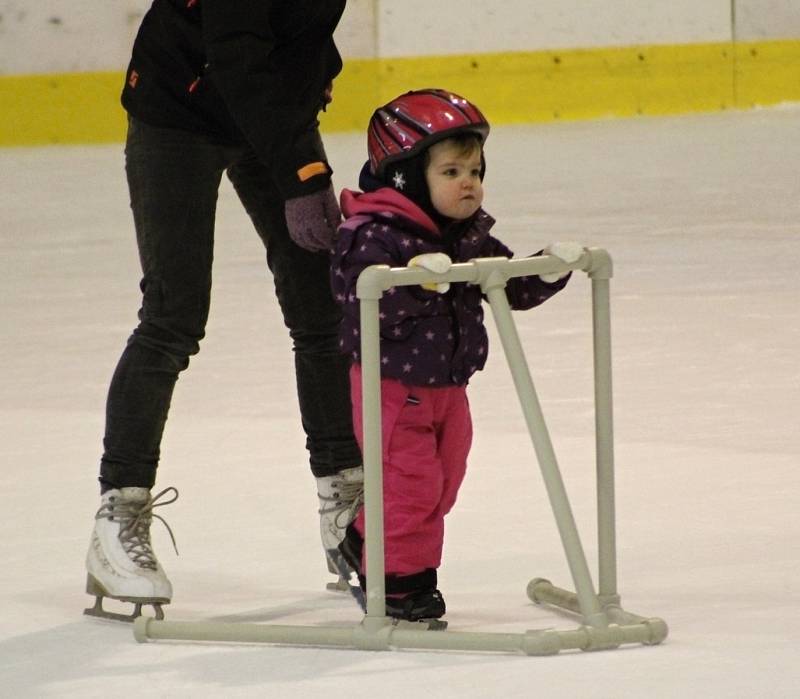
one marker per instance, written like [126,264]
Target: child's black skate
[424,607]
[411,600]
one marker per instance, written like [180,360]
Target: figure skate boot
[120,563]
[340,496]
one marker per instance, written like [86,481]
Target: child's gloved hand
[568,251]
[434,262]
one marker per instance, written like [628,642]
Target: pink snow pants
[426,436]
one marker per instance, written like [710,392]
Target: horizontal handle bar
[374,280]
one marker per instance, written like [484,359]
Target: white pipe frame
[604,623]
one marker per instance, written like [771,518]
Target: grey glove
[312,219]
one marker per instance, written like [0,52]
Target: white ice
[701,215]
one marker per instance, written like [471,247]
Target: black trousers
[173,178]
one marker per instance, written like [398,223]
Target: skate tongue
[135,494]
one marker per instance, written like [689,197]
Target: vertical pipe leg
[587,599]
[373,458]
[604,440]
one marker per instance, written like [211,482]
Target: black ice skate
[414,599]
[410,599]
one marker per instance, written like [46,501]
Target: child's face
[454,180]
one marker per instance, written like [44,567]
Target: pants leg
[453,425]
[426,436]
[173,178]
[302,287]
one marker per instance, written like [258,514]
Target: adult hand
[436,262]
[312,219]
[568,252]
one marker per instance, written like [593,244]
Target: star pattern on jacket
[426,338]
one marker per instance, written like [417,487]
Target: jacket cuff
[307,179]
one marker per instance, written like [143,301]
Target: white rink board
[416,27]
[767,19]
[61,36]
[64,36]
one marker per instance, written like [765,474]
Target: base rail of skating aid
[603,622]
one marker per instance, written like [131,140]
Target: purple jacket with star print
[427,338]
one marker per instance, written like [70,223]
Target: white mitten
[436,262]
[568,251]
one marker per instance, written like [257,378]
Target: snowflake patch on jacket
[427,338]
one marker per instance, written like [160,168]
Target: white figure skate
[120,563]
[340,496]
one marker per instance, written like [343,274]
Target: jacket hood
[386,201]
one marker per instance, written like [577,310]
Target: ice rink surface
[701,215]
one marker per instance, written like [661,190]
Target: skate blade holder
[99,612]
[341,585]
[604,624]
[95,588]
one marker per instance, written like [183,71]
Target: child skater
[421,205]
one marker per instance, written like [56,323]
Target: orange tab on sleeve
[308,171]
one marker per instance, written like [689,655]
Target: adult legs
[302,287]
[173,178]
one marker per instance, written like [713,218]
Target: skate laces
[345,500]
[134,519]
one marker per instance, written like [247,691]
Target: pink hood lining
[385,201]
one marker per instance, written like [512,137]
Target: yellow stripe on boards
[571,84]
[767,73]
[517,87]
[62,108]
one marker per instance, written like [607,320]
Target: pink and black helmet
[416,120]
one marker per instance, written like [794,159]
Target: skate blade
[341,585]
[98,612]
[421,624]
[93,587]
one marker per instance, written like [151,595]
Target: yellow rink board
[515,87]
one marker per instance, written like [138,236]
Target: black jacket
[240,71]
